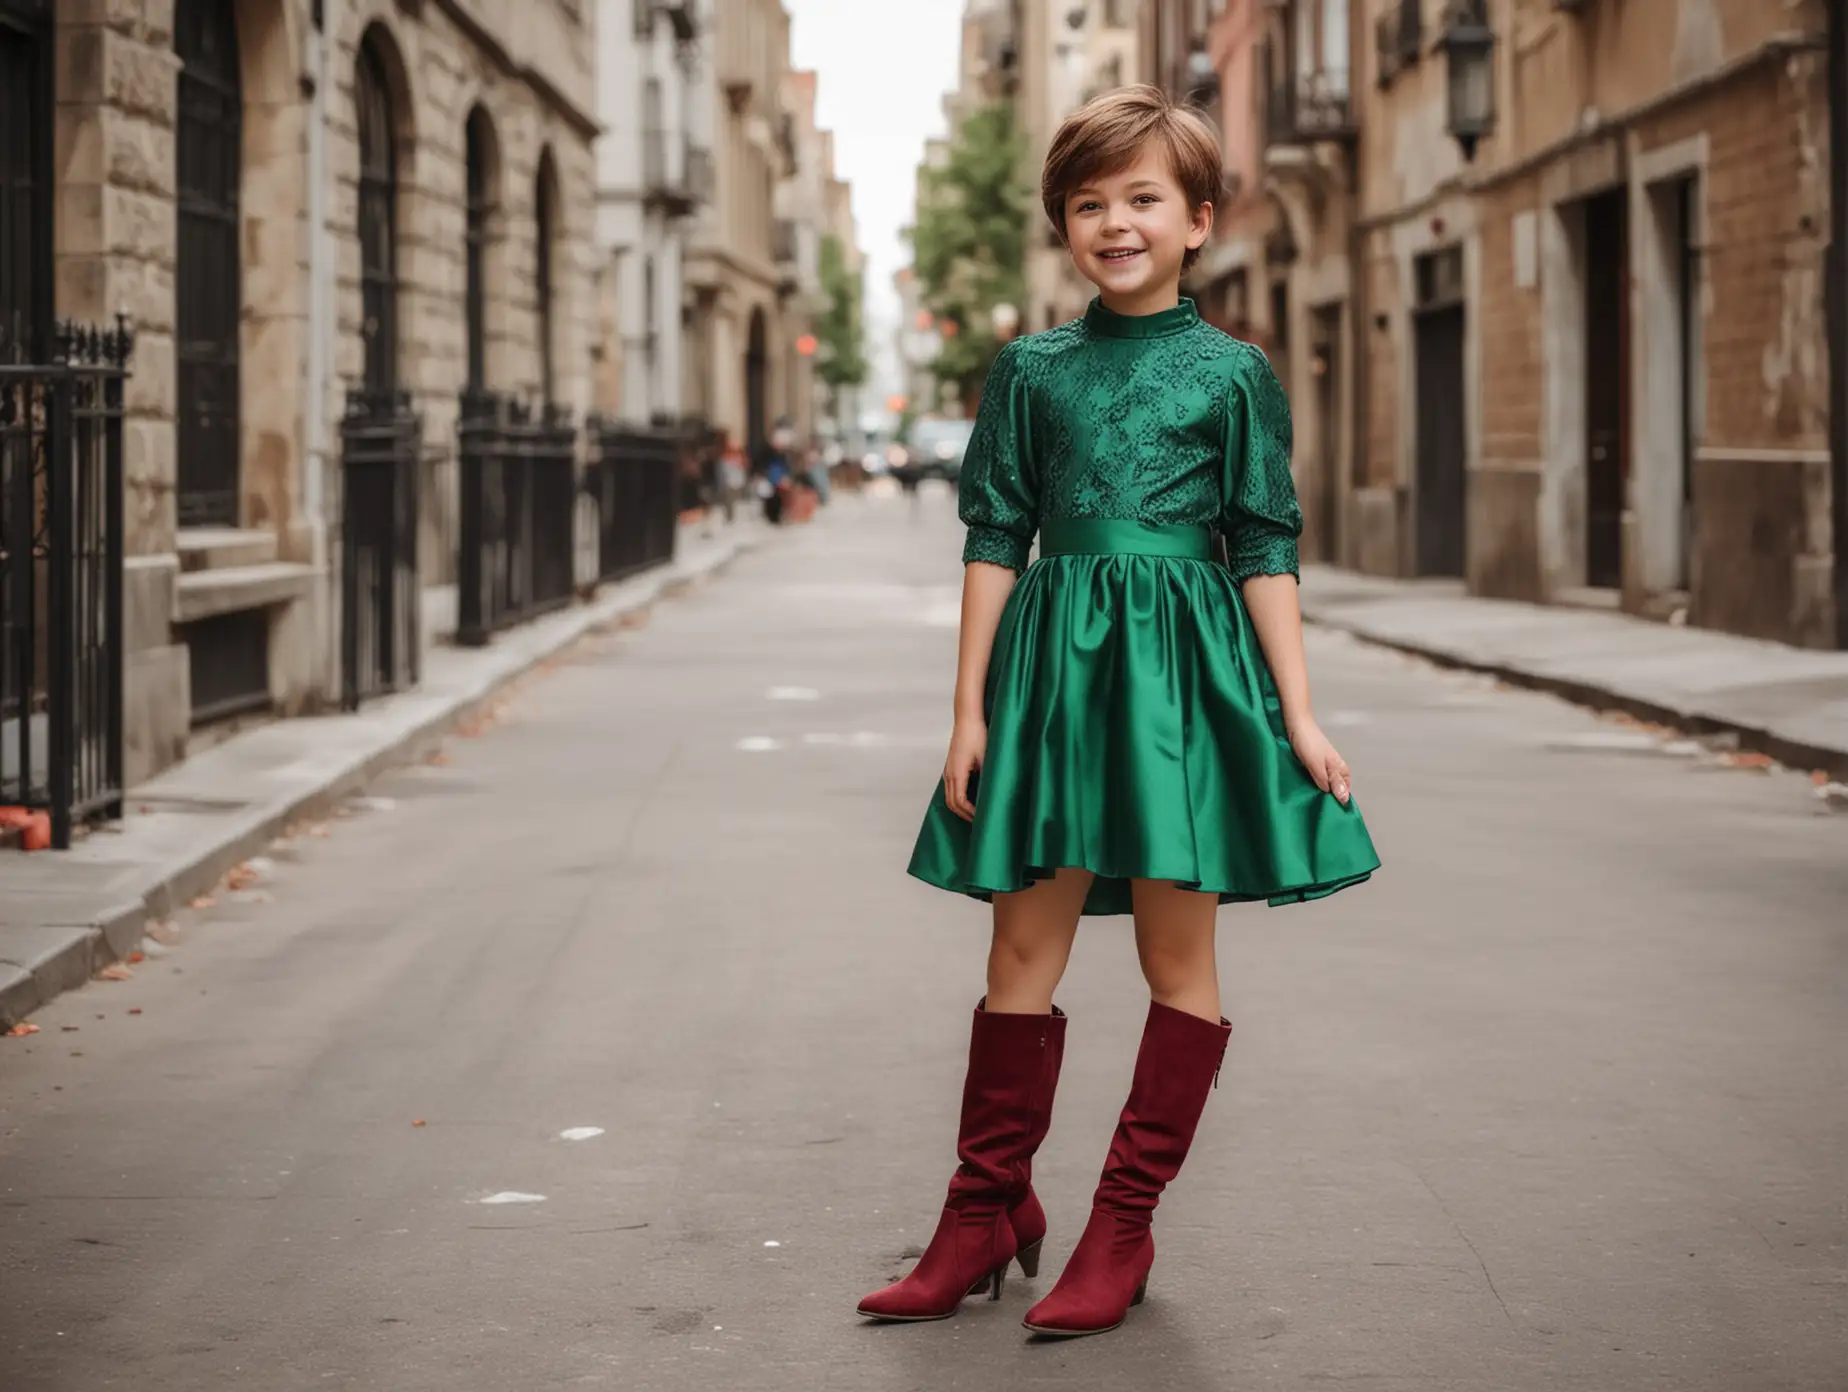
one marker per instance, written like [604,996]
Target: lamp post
[1469,47]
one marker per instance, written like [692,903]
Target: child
[1138,713]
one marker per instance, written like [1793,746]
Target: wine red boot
[1109,1270]
[992,1214]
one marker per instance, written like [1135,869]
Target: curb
[1795,753]
[73,953]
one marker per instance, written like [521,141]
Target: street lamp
[1006,319]
[1469,46]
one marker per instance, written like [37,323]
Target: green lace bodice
[1159,418]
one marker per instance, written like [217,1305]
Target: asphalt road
[1556,1102]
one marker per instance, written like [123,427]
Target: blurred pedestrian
[1133,732]
[732,471]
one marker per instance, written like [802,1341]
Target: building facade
[288,202]
[654,176]
[1546,280]
[737,343]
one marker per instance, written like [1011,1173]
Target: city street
[1555,1101]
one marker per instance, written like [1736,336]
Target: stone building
[1546,281]
[288,200]
[654,175]
[1601,363]
[739,277]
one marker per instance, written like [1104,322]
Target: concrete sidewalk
[1789,703]
[65,915]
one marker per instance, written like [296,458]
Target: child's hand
[968,748]
[1325,764]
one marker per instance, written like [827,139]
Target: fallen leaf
[22,1029]
[439,759]
[71,1029]
[241,877]
[37,833]
[420,1122]
[117,971]
[134,1010]
[1748,759]
[135,957]
[1819,779]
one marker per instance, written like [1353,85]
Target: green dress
[1133,725]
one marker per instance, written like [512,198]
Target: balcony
[676,173]
[786,252]
[1398,37]
[1310,108]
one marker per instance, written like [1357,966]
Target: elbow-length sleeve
[1261,518]
[998,502]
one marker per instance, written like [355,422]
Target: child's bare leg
[1175,939]
[1033,941]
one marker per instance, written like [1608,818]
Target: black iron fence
[519,486]
[381,439]
[634,477]
[61,520]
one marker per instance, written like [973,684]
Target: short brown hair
[1108,133]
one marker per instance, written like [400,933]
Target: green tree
[969,243]
[841,332]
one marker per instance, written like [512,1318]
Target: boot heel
[1029,1258]
[995,1280]
[1141,1292]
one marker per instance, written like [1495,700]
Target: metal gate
[381,638]
[519,488]
[208,282]
[61,506]
[633,478]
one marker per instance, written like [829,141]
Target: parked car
[936,447]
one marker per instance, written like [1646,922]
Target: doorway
[756,387]
[1607,385]
[1440,474]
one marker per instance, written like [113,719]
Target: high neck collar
[1107,322]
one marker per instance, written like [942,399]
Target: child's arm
[1262,522]
[985,591]
[1276,615]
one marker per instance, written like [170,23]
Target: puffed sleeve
[1261,519]
[998,501]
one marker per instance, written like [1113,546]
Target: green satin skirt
[1134,731]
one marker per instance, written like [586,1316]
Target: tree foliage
[969,243]
[840,331]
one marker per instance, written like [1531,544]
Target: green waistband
[1109,536]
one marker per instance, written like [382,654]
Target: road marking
[581,1133]
[513,1196]
[759,744]
[792,693]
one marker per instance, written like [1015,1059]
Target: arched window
[545,198]
[378,215]
[208,280]
[480,209]
[25,175]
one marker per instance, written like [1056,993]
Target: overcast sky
[884,67]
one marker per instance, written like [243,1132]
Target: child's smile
[1129,232]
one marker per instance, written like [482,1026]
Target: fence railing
[381,641]
[634,477]
[519,485]
[61,622]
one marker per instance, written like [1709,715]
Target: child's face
[1129,232]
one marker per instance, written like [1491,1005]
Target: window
[378,215]
[480,206]
[545,211]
